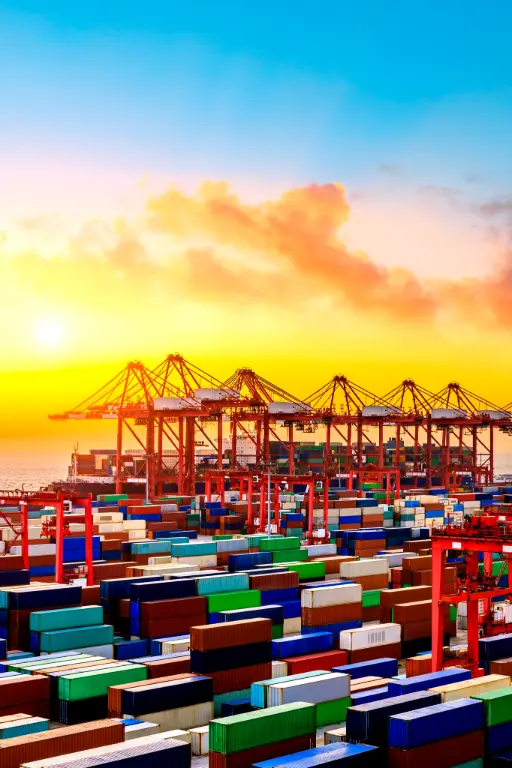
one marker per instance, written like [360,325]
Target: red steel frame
[57,500]
[462,541]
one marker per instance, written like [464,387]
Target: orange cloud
[300,234]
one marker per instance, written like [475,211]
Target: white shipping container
[199,740]
[279,669]
[140,729]
[134,525]
[183,718]
[201,561]
[36,549]
[314,690]
[176,735]
[369,637]
[365,567]
[110,528]
[110,517]
[169,507]
[396,559]
[137,535]
[166,570]
[105,651]
[341,594]
[321,550]
[292,626]
[175,646]
[467,688]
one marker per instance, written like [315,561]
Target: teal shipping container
[81,637]
[66,618]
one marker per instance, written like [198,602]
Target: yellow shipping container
[467,688]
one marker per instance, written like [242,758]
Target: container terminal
[235,594]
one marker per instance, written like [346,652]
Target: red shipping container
[247,757]
[440,754]
[391,597]
[241,678]
[91,595]
[59,741]
[268,581]
[415,545]
[312,662]
[12,562]
[213,636]
[501,667]
[418,665]
[391,650]
[179,625]
[165,609]
[331,614]
[167,667]
[371,613]
[403,613]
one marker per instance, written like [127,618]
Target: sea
[32,472]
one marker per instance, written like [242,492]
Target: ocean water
[31,472]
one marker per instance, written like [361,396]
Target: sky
[305,189]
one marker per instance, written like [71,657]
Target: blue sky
[387,98]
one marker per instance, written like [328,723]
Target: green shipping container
[75,687]
[497,706]
[113,497]
[293,556]
[265,726]
[66,618]
[232,601]
[81,637]
[453,614]
[330,712]
[371,598]
[308,571]
[277,631]
[276,544]
[221,538]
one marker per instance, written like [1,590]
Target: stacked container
[331,609]
[372,642]
[234,655]
[243,740]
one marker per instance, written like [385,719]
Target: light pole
[269,505]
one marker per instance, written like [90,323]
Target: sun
[50,333]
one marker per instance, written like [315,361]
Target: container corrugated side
[314,689]
[441,721]
[60,741]
[80,637]
[259,690]
[468,688]
[66,618]
[365,567]
[325,755]
[266,726]
[234,633]
[497,706]
[368,637]
[230,601]
[425,682]
[90,684]
[325,596]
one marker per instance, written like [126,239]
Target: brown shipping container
[241,678]
[247,757]
[166,609]
[12,562]
[115,692]
[212,636]
[418,629]
[391,650]
[415,545]
[371,613]
[391,597]
[332,614]
[60,741]
[376,581]
[268,581]
[440,754]
[179,625]
[501,667]
[169,525]
[166,667]
[404,613]
[419,563]
[418,665]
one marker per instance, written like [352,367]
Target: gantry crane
[486,533]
